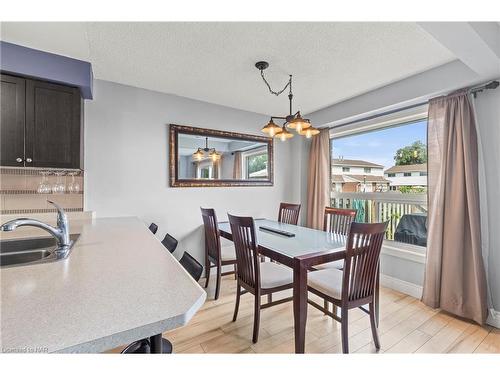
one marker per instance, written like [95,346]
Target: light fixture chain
[289,83]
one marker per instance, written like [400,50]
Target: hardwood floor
[406,326]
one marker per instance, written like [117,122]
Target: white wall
[418,88]
[488,117]
[126,162]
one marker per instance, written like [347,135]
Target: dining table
[301,249]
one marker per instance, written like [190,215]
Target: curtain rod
[489,86]
[473,90]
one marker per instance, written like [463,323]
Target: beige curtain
[455,279]
[216,168]
[318,179]
[237,165]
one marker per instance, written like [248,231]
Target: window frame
[403,250]
[245,155]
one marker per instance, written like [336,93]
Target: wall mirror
[205,157]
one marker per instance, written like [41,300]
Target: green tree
[416,153]
[257,163]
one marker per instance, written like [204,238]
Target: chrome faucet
[60,233]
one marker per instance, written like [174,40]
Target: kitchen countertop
[118,285]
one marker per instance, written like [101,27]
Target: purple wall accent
[24,61]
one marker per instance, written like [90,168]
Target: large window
[382,173]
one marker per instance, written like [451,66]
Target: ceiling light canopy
[293,121]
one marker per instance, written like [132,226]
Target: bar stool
[195,269]
[153,228]
[170,243]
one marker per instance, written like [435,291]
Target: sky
[380,146]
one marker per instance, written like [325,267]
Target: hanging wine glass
[73,186]
[59,187]
[44,186]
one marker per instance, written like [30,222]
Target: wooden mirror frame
[174,132]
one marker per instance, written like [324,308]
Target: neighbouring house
[414,176]
[350,176]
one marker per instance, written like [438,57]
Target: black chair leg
[256,319]
[373,324]
[344,329]
[207,273]
[377,300]
[237,306]
[217,285]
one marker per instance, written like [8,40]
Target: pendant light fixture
[293,121]
[203,153]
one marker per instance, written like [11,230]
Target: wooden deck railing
[378,207]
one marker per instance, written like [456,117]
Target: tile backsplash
[19,190]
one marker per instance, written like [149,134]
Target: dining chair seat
[273,275]
[338,264]
[328,281]
[228,253]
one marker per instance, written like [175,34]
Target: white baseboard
[493,318]
[402,286]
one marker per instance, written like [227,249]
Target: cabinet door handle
[28,160]
[19,160]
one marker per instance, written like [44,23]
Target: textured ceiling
[214,62]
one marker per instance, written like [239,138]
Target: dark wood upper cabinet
[12,121]
[50,133]
[53,114]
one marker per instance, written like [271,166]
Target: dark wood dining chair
[253,276]
[355,285]
[289,213]
[216,255]
[153,228]
[337,221]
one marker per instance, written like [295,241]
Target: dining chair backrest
[289,213]
[170,243]
[191,265]
[247,255]
[153,228]
[338,220]
[362,259]
[212,235]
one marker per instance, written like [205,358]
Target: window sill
[405,251]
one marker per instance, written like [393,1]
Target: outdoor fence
[380,207]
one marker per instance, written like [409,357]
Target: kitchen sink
[17,252]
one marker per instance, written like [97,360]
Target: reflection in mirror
[217,158]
